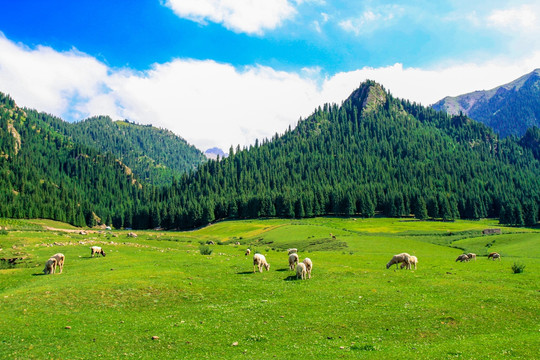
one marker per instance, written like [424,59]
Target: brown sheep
[59,260]
[259,260]
[50,266]
[472,256]
[309,266]
[400,258]
[494,256]
[97,250]
[293,261]
[413,261]
[301,271]
[462,258]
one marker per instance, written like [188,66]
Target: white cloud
[371,20]
[212,104]
[247,16]
[524,18]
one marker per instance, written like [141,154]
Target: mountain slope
[373,154]
[509,109]
[44,174]
[155,155]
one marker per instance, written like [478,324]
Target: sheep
[259,260]
[248,251]
[59,260]
[413,261]
[292,251]
[97,250]
[293,260]
[50,266]
[309,266]
[462,258]
[472,256]
[400,258]
[301,271]
[494,256]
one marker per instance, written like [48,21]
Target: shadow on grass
[39,274]
[290,278]
[282,270]
[244,272]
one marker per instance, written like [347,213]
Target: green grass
[353,307]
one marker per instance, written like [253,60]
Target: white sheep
[259,260]
[50,266]
[494,256]
[309,266]
[472,256]
[301,271]
[59,260]
[248,251]
[462,258]
[399,258]
[293,260]
[413,260]
[97,250]
[292,251]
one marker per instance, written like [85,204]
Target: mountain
[214,152]
[45,174]
[155,155]
[509,109]
[374,154]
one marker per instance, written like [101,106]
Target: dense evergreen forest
[154,155]
[374,154]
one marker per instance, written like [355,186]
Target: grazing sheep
[50,266]
[293,260]
[292,251]
[132,234]
[259,260]
[301,271]
[309,266]
[494,256]
[462,258]
[97,250]
[472,256]
[413,261]
[248,251]
[400,258]
[59,260]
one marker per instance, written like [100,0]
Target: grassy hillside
[200,306]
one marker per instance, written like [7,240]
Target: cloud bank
[214,104]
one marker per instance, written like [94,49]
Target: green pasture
[215,307]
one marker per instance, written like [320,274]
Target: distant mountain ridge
[509,109]
[155,155]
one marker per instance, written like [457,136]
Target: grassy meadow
[215,307]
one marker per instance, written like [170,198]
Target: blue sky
[222,72]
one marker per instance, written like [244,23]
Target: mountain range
[509,109]
[374,154]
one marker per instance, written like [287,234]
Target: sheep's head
[267,266]
[102,252]
[388,265]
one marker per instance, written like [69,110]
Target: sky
[226,72]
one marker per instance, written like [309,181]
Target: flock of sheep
[303,269]
[57,260]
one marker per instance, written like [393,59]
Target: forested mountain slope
[155,155]
[375,153]
[509,109]
[44,174]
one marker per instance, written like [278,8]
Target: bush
[518,268]
[205,250]
[3,232]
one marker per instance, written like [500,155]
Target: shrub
[205,250]
[518,268]
[3,232]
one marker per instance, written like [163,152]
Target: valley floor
[213,306]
